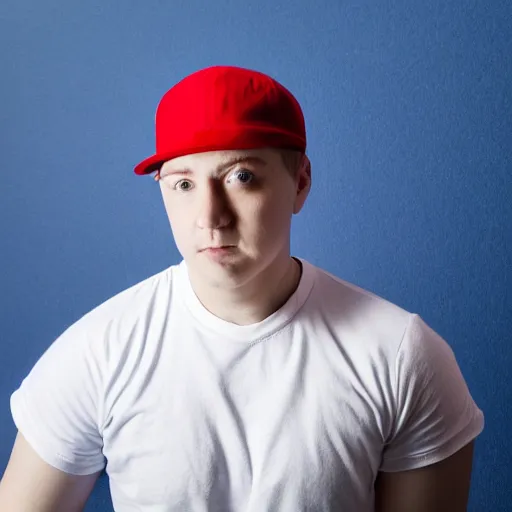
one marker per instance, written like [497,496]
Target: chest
[246,433]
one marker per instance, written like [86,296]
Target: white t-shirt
[296,413]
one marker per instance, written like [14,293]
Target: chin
[227,273]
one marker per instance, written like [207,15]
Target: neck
[256,299]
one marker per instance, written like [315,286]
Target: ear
[303,183]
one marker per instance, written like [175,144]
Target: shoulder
[433,413]
[359,314]
[380,327]
[114,318]
[111,327]
[133,301]
[332,289]
[62,405]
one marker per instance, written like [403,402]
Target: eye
[178,187]
[244,176]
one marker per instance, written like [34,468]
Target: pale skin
[212,201]
[245,199]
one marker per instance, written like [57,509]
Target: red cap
[221,108]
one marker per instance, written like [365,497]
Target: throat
[256,301]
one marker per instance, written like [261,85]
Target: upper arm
[443,487]
[30,484]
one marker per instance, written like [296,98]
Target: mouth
[219,252]
[217,248]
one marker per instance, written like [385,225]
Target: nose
[214,210]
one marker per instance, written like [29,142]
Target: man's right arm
[31,485]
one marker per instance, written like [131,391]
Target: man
[242,379]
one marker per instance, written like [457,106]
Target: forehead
[215,159]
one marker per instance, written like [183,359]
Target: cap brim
[151,164]
[238,140]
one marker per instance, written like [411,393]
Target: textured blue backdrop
[408,107]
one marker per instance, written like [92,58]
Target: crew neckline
[252,332]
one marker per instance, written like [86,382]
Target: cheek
[181,225]
[268,217]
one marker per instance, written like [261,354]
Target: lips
[216,247]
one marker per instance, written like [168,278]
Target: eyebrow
[186,171]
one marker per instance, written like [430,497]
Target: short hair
[292,160]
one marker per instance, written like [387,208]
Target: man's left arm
[428,453]
[440,487]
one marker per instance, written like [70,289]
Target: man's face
[241,199]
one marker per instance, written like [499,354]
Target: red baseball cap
[221,108]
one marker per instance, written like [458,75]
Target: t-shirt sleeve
[435,415]
[57,407]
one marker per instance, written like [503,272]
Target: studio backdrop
[408,107]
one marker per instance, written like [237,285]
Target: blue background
[408,107]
